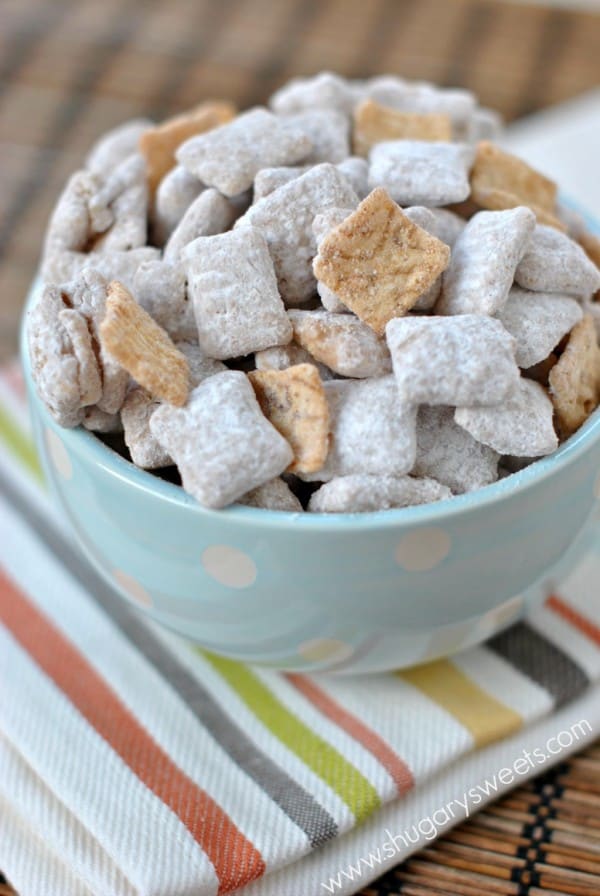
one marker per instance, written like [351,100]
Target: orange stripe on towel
[235,859]
[574,618]
[394,765]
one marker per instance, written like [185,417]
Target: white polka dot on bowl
[229,566]
[423,549]
[132,588]
[321,650]
[59,455]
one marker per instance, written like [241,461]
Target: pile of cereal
[348,301]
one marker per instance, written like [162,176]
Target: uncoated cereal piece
[378,262]
[209,214]
[229,157]
[521,425]
[417,172]
[294,401]
[538,321]
[174,195]
[322,91]
[54,366]
[143,348]
[273,495]
[341,342]
[279,357]
[500,180]
[329,132]
[160,288]
[232,284]
[364,493]
[464,360]
[145,451]
[158,144]
[124,194]
[115,146]
[553,262]
[372,430]
[221,442]
[374,123]
[448,454]
[285,220]
[575,378]
[484,259]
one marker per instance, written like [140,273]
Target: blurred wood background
[69,70]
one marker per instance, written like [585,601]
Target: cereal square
[419,172]
[294,401]
[158,144]
[372,430]
[553,262]
[364,493]
[484,259]
[221,455]
[575,378]
[374,123]
[465,360]
[232,285]
[209,214]
[500,180]
[174,195]
[538,321]
[273,495]
[377,262]
[521,425]
[329,132]
[285,218]
[230,156]
[342,342]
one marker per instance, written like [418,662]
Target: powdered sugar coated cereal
[417,172]
[364,493]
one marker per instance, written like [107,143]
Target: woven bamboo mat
[70,69]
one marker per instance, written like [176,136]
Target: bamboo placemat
[69,70]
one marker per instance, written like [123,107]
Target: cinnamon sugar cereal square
[232,284]
[575,379]
[221,456]
[159,144]
[142,347]
[229,157]
[500,180]
[374,123]
[279,357]
[294,401]
[377,262]
[464,360]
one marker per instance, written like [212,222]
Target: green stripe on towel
[19,444]
[342,777]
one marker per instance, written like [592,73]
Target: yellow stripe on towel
[485,717]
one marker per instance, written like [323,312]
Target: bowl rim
[100,454]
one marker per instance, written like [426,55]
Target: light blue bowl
[349,593]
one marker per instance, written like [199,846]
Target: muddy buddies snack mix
[348,300]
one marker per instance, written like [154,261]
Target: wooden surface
[69,70]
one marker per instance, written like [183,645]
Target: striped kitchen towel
[133,763]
